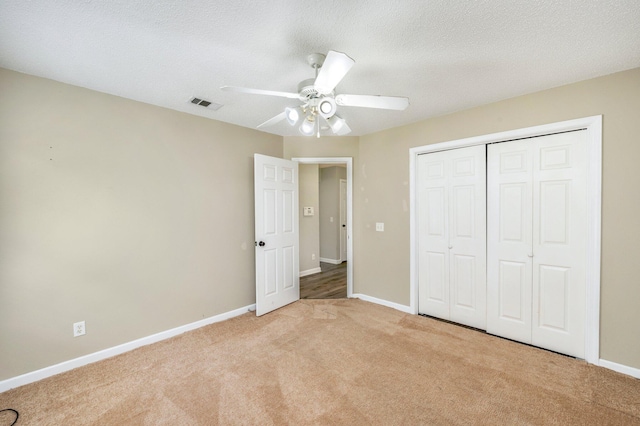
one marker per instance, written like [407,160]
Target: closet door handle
[450,247]
[530,254]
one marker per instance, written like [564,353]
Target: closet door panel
[452,235]
[559,223]
[553,298]
[467,240]
[436,278]
[509,236]
[433,236]
[512,292]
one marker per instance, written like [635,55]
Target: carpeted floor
[329,362]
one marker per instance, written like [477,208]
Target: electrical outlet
[380,227]
[79,329]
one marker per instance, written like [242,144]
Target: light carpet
[331,362]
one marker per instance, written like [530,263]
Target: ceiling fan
[318,100]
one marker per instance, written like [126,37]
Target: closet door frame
[593,127]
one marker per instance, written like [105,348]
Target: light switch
[379,226]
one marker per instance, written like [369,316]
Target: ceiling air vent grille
[207,104]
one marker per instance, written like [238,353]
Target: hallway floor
[331,283]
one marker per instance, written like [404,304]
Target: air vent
[204,103]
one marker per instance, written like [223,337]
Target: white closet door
[536,241]
[467,236]
[559,243]
[509,239]
[452,227]
[433,224]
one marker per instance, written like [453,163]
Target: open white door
[276,222]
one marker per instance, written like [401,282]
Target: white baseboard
[332,261]
[43,373]
[624,369]
[310,272]
[403,308]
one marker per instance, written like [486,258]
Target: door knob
[261,243]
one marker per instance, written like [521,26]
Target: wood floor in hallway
[331,283]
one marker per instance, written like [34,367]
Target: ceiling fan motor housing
[306,90]
[325,105]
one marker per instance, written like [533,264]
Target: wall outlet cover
[79,329]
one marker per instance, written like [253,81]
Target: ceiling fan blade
[336,65]
[260,92]
[274,120]
[373,101]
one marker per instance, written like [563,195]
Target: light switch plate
[379,226]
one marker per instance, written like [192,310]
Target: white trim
[594,225]
[349,162]
[342,247]
[310,271]
[403,308]
[624,369]
[43,373]
[332,261]
[593,126]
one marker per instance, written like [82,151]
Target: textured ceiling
[443,55]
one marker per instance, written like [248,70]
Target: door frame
[349,163]
[593,126]
[343,208]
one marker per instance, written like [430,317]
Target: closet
[502,238]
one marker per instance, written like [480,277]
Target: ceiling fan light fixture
[327,107]
[336,123]
[307,127]
[292,115]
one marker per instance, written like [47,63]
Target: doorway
[326,249]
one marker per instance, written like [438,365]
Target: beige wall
[383,257]
[134,218]
[309,225]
